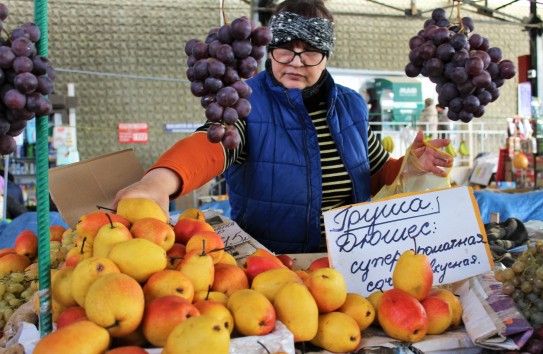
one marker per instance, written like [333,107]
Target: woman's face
[295,74]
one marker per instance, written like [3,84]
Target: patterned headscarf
[318,32]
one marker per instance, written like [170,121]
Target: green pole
[42,187]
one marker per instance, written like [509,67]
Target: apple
[162,315]
[254,314]
[115,302]
[26,244]
[70,315]
[402,316]
[185,228]
[328,287]
[155,231]
[229,278]
[168,282]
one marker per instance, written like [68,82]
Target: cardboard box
[78,188]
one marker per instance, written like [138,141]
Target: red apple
[287,260]
[322,262]
[255,265]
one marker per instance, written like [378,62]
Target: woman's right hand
[157,185]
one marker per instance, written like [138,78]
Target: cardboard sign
[365,240]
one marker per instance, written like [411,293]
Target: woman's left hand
[432,160]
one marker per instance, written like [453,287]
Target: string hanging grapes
[26,79]
[217,68]
[467,71]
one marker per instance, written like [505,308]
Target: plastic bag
[413,177]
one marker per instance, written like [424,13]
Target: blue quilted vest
[276,193]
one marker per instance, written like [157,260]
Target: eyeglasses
[307,57]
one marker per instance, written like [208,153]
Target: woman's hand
[157,185]
[432,160]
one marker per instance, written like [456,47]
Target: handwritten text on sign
[366,240]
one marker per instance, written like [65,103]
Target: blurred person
[445,124]
[428,119]
[306,146]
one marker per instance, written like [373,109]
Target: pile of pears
[413,307]
[131,279]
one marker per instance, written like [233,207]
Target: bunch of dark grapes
[466,70]
[216,69]
[26,79]
[523,281]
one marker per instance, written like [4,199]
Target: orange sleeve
[386,175]
[195,159]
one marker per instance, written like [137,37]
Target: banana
[388,144]
[463,149]
[451,150]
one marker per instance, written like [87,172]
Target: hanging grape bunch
[466,70]
[26,78]
[216,69]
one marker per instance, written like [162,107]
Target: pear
[196,335]
[82,337]
[413,274]
[271,281]
[61,287]
[199,268]
[139,258]
[134,209]
[337,333]
[359,308]
[108,236]
[86,272]
[297,309]
[254,314]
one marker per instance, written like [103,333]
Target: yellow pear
[374,298]
[116,302]
[454,302]
[413,274]
[360,309]
[254,314]
[198,335]
[211,295]
[86,272]
[61,287]
[139,258]
[338,333]
[82,337]
[108,236]
[271,281]
[296,308]
[192,213]
[199,268]
[134,209]
[328,287]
